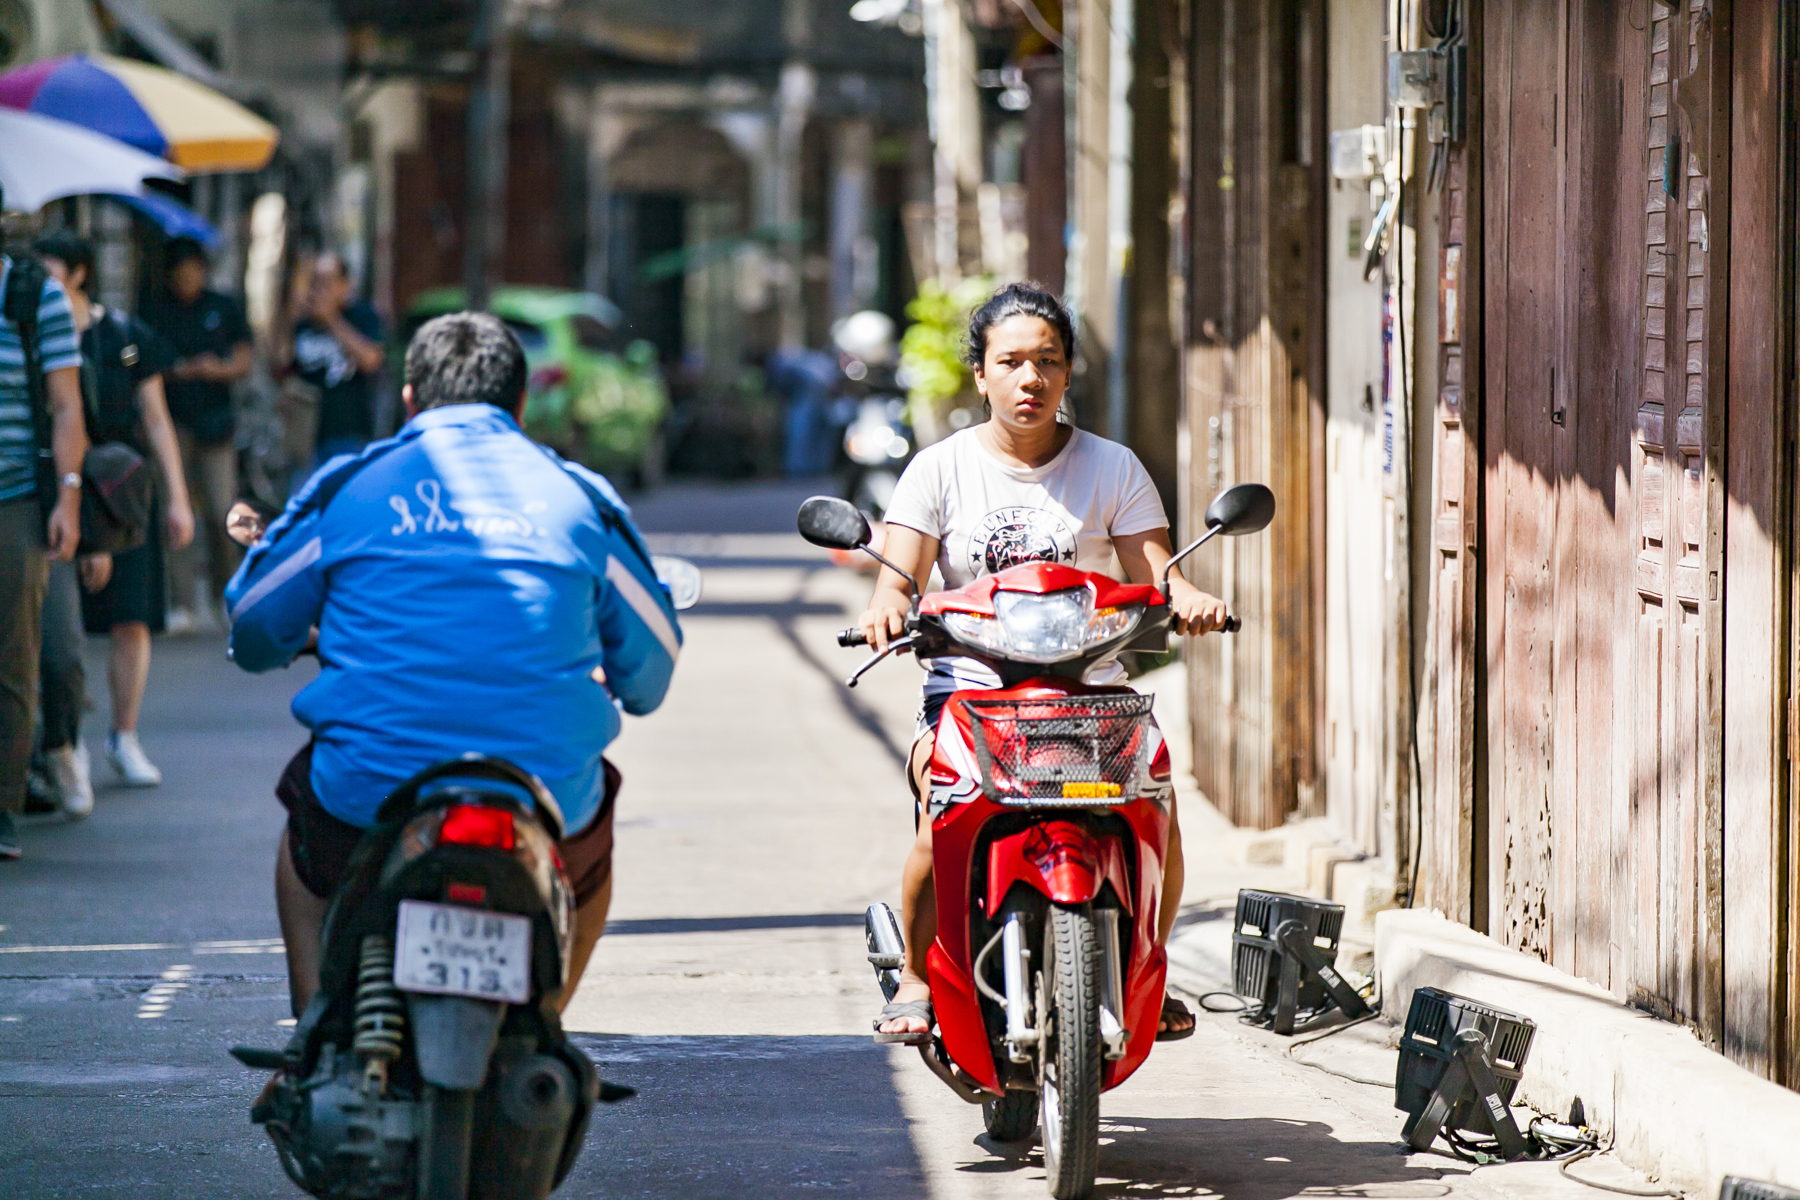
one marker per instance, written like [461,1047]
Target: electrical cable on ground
[1243,1005]
[1333,1032]
[1564,1171]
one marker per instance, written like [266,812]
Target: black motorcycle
[431,1064]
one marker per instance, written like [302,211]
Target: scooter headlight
[1044,628]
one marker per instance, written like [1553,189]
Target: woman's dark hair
[71,249]
[1019,300]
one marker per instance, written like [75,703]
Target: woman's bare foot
[909,990]
[1177,1020]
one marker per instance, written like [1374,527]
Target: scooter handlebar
[856,637]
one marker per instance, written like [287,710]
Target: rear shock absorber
[380,1012]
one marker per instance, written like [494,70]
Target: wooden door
[1603,496]
[1252,394]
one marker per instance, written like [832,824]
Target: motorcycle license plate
[451,951]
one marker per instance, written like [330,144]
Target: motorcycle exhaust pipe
[887,949]
[1112,984]
[1020,1036]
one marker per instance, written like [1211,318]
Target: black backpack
[116,486]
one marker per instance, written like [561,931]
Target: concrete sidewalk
[1359,1064]
[1671,1106]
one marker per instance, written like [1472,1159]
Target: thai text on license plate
[455,951]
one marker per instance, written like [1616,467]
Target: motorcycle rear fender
[454,1037]
[1061,859]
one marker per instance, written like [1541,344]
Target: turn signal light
[474,825]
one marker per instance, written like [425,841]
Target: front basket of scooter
[1062,751]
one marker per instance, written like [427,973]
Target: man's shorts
[320,844]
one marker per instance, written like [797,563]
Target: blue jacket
[470,595]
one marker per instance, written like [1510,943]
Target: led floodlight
[1734,1188]
[1460,1062]
[1282,951]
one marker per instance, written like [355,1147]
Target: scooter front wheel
[1069,1096]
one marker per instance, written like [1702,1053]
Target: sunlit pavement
[763,809]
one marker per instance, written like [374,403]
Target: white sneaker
[129,760]
[178,620]
[73,782]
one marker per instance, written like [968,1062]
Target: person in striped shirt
[34,528]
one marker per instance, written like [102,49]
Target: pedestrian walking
[335,345]
[212,348]
[123,363]
[62,763]
[40,500]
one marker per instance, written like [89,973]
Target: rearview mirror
[833,523]
[244,524]
[1246,508]
[681,577]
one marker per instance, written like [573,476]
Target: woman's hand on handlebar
[885,619]
[1196,612]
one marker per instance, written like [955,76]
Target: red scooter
[1049,806]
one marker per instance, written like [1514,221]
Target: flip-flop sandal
[905,1008]
[1173,1009]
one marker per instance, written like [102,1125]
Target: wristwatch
[72,480]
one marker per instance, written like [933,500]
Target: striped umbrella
[155,110]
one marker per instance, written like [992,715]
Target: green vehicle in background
[591,395]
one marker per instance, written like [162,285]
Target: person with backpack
[43,440]
[123,361]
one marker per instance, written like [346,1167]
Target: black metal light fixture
[1460,1062]
[1282,951]
[1734,1188]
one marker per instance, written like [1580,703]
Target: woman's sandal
[920,1009]
[1173,1010]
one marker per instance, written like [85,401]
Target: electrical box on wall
[1358,153]
[1413,79]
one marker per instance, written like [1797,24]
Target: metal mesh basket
[1062,750]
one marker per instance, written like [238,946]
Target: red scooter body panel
[1037,578]
[1063,857]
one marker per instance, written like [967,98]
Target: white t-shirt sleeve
[918,499]
[1140,508]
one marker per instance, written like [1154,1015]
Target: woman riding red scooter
[1022,487]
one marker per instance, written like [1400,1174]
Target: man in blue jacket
[471,591]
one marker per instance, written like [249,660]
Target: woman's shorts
[929,711]
[135,591]
[321,845]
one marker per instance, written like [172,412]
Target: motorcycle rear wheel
[444,1144]
[1069,1096]
[1012,1118]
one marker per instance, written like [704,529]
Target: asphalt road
[763,809]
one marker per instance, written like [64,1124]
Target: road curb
[1675,1109]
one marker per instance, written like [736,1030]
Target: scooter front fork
[1015,963]
[1112,984]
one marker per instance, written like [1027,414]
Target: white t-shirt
[988,516]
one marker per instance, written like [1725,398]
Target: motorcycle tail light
[466,893]
[475,825]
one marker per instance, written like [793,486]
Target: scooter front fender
[1061,859]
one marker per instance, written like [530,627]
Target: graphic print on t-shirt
[1016,534]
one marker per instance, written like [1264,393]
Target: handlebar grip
[852,637]
[1232,624]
